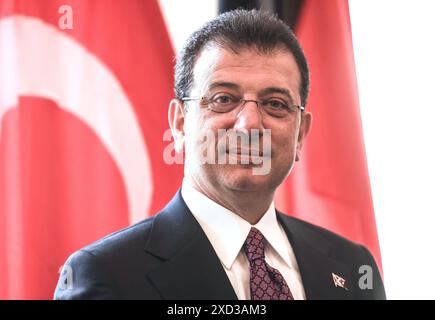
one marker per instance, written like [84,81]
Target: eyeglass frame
[241,100]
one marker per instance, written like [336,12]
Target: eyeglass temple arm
[190,99]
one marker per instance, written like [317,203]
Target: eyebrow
[223,84]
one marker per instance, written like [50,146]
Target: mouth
[245,152]
[246,157]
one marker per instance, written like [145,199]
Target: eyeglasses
[225,102]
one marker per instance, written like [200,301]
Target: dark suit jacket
[168,256]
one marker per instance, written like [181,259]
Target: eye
[277,104]
[223,102]
[224,98]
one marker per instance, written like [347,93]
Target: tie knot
[254,245]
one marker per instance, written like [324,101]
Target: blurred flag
[84,90]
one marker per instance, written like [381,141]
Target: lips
[246,152]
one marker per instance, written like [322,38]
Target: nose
[249,117]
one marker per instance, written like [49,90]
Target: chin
[242,179]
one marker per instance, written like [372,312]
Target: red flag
[330,187]
[82,117]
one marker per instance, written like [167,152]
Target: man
[220,237]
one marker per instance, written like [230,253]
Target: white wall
[185,16]
[395,60]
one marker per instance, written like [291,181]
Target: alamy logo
[366,280]
[230,146]
[66,277]
[66,19]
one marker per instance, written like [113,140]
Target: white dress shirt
[227,233]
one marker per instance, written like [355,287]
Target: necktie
[266,283]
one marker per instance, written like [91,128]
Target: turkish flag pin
[339,281]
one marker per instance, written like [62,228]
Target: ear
[176,117]
[304,128]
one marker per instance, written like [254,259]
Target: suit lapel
[316,266]
[190,268]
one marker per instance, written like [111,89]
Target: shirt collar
[227,231]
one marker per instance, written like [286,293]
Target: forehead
[248,68]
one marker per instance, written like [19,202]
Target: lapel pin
[339,281]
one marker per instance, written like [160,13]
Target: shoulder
[133,237]
[110,268]
[122,248]
[317,234]
[354,256]
[328,242]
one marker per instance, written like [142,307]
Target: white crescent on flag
[103,106]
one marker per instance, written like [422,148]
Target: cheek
[194,126]
[200,130]
[283,145]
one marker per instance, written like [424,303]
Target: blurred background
[84,90]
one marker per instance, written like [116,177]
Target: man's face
[248,75]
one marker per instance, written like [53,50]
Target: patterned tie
[266,282]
